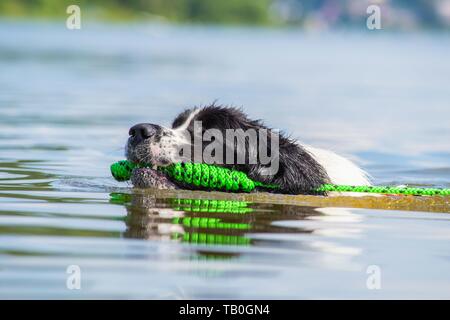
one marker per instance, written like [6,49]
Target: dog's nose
[143,131]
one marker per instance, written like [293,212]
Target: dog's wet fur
[301,168]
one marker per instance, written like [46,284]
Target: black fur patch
[181,118]
[298,171]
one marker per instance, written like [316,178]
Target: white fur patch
[188,120]
[339,169]
[171,144]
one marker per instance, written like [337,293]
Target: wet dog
[264,154]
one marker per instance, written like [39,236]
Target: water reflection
[207,222]
[19,174]
[262,233]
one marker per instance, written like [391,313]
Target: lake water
[67,99]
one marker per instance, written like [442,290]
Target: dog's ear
[223,117]
[181,118]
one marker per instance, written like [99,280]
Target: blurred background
[304,13]
[311,68]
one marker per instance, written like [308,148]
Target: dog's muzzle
[141,134]
[142,131]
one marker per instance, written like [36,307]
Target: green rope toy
[386,190]
[212,177]
[200,175]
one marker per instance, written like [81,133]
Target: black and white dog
[299,168]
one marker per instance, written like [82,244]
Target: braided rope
[121,170]
[205,176]
[386,190]
[200,175]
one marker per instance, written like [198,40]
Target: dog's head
[217,135]
[223,136]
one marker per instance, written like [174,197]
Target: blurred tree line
[306,13]
[201,11]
